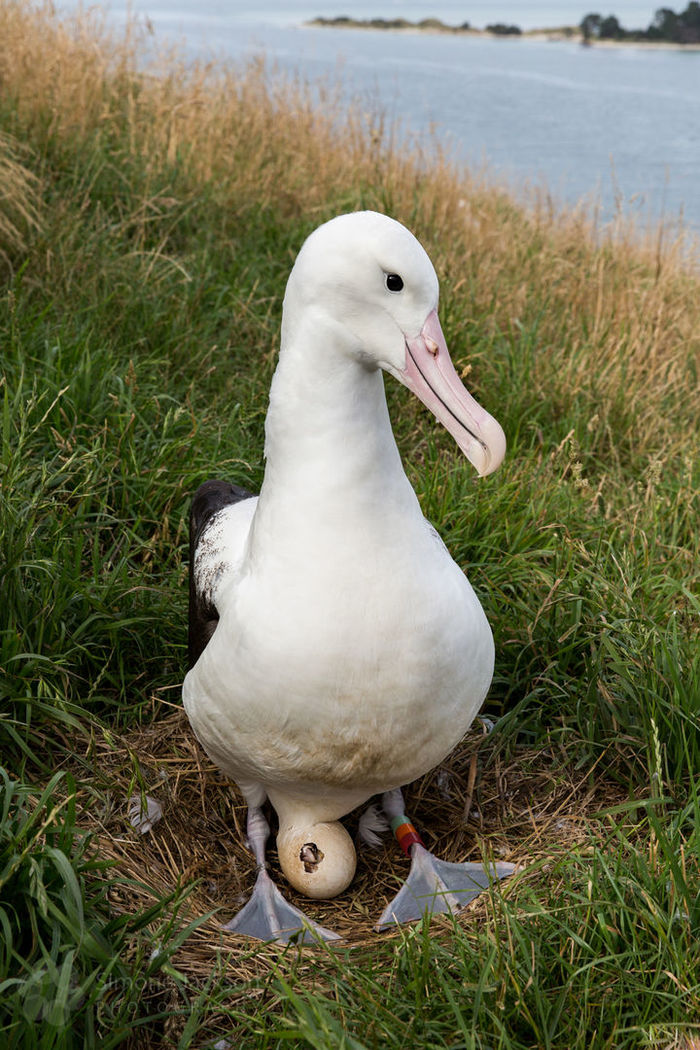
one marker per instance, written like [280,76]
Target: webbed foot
[436,886]
[269,917]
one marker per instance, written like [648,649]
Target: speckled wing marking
[209,500]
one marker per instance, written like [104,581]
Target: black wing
[208,500]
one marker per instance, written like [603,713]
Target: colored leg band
[406,834]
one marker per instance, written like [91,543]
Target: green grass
[604,958]
[139,316]
[64,954]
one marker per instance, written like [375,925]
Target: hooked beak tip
[430,374]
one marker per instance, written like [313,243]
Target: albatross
[337,652]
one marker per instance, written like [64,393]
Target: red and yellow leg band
[406,834]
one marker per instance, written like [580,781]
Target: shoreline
[555,35]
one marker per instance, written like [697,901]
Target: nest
[476,804]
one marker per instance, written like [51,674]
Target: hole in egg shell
[310,856]
[317,860]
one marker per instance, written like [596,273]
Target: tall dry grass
[19,201]
[619,326]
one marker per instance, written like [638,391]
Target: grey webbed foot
[437,886]
[269,917]
[433,886]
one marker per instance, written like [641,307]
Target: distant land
[432,25]
[666,28]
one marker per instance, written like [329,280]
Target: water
[618,124]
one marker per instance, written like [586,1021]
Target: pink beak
[430,374]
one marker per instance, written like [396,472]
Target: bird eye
[393,282]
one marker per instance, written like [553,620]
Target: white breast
[357,669]
[351,653]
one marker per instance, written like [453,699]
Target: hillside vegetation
[148,222]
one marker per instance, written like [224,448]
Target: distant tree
[689,27]
[500,29]
[590,26]
[610,29]
[388,23]
[664,25]
[691,15]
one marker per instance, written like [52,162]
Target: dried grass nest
[475,803]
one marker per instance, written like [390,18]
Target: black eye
[394,282]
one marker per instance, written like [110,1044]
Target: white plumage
[351,653]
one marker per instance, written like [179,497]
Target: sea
[611,128]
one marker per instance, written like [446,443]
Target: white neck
[330,450]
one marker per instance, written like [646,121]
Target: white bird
[338,651]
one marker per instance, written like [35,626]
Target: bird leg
[433,886]
[267,915]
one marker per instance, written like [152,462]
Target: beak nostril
[431,346]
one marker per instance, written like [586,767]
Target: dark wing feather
[208,500]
